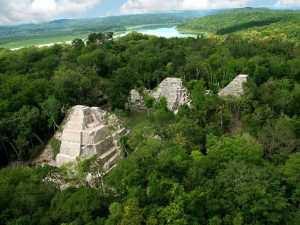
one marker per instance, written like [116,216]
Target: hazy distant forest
[219,162]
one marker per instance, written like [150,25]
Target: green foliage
[77,43]
[279,137]
[291,169]
[24,198]
[250,22]
[218,162]
[247,25]
[79,206]
[149,101]
[44,83]
[52,108]
[84,166]
[55,145]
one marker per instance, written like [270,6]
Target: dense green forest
[250,22]
[219,162]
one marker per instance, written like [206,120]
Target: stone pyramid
[88,132]
[235,88]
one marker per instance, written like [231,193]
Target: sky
[25,11]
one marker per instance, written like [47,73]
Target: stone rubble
[90,131]
[234,88]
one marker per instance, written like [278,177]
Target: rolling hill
[68,29]
[250,22]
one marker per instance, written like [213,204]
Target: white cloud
[14,11]
[137,6]
[288,3]
[213,4]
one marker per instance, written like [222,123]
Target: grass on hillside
[261,22]
[28,42]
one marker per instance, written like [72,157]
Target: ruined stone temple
[90,131]
[170,88]
[174,92]
[235,88]
[136,101]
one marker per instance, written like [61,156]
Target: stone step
[63,159]
[111,162]
[110,169]
[109,154]
[70,148]
[104,145]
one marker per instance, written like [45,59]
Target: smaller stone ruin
[235,88]
[170,88]
[174,92]
[90,131]
[136,101]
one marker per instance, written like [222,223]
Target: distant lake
[158,30]
[166,32]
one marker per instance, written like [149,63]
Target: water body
[166,32]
